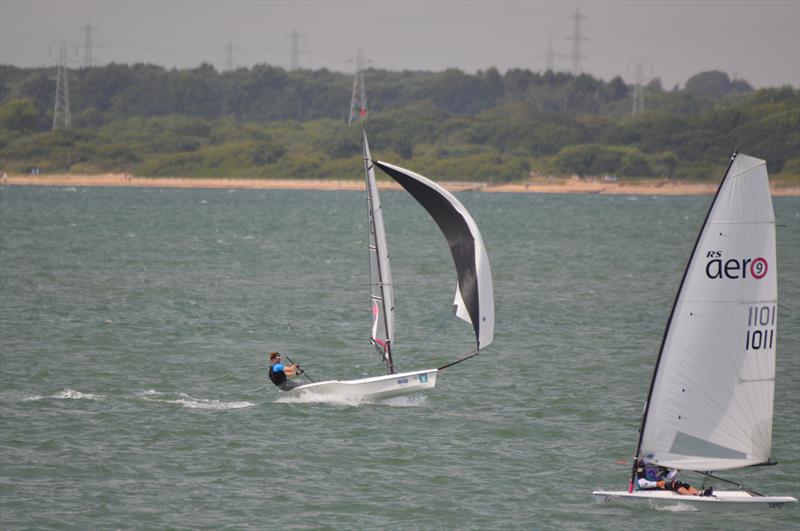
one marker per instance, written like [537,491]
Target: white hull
[369,389]
[722,501]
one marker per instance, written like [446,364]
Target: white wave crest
[190,402]
[679,508]
[308,398]
[321,399]
[72,394]
[406,401]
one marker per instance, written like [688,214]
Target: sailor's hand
[661,484]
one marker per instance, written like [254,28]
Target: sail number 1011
[760,327]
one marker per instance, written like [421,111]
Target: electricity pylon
[577,37]
[358,101]
[62,119]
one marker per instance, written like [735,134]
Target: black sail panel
[456,231]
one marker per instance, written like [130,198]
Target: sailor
[279,373]
[651,476]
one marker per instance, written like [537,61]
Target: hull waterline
[721,501]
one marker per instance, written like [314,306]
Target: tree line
[266,122]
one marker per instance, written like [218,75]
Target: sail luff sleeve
[381,288]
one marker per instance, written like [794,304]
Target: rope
[437,329]
[470,354]
[741,487]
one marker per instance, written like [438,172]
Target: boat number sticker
[760,327]
[758,268]
[423,378]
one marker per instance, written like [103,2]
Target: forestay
[381,290]
[474,299]
[711,400]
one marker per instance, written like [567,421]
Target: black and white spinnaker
[474,298]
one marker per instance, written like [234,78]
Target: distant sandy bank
[562,186]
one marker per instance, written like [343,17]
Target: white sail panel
[711,403]
[381,289]
[474,299]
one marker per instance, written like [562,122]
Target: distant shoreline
[540,186]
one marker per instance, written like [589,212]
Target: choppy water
[134,324]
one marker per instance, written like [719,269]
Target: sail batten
[711,400]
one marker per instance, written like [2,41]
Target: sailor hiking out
[280,373]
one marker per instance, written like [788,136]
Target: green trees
[714,84]
[266,122]
[19,116]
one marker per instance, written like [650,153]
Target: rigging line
[437,329]
[741,487]
[303,373]
[470,354]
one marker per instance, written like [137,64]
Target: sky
[758,41]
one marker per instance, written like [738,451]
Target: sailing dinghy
[711,397]
[474,299]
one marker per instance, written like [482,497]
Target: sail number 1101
[760,327]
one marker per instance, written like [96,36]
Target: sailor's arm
[647,484]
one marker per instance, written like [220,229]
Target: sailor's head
[274,356]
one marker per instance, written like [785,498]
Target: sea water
[134,325]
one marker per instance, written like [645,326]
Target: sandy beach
[557,186]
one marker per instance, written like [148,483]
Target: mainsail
[711,399]
[381,291]
[474,299]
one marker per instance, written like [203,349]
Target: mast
[669,323]
[381,290]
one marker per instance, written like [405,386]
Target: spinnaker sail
[474,298]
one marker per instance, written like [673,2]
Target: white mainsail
[474,299]
[710,405]
[381,290]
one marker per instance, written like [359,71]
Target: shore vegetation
[265,122]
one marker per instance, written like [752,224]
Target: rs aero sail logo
[732,268]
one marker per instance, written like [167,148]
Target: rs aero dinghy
[474,299]
[711,397]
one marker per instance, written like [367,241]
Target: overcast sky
[758,41]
